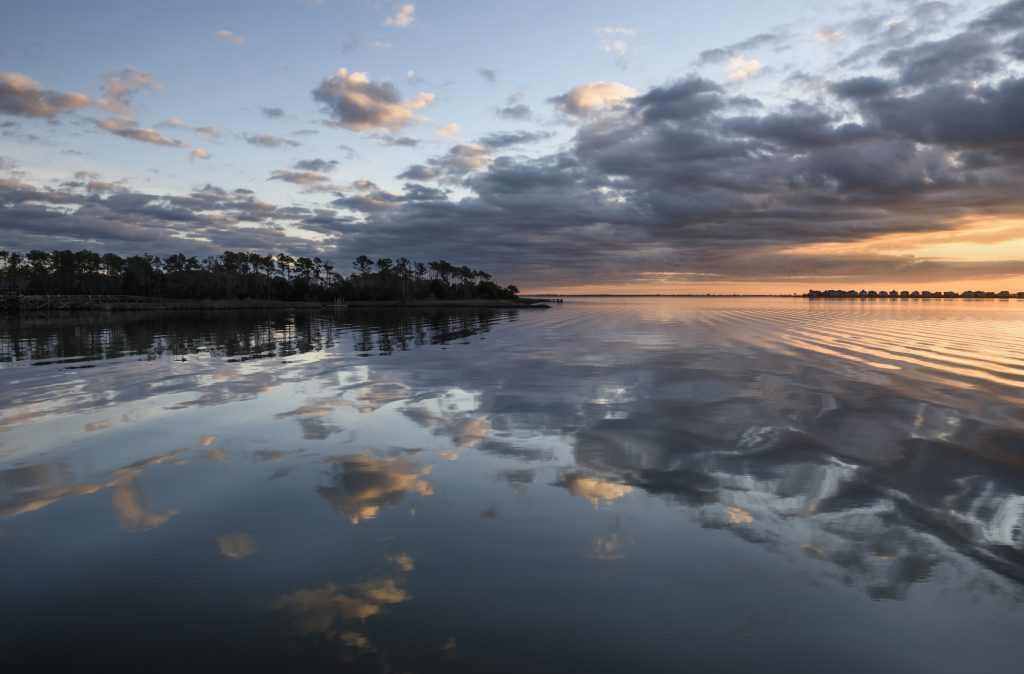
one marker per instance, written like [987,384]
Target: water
[605,486]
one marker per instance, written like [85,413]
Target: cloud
[21,95]
[128,129]
[514,111]
[269,140]
[203,222]
[614,39]
[452,166]
[741,69]
[389,140]
[208,132]
[236,546]
[305,178]
[501,140]
[861,87]
[448,130]
[963,57]
[121,86]
[488,74]
[683,181]
[609,31]
[403,17]
[760,41]
[593,489]
[375,200]
[582,100]
[350,44]
[328,611]
[199,153]
[320,165]
[272,113]
[1002,18]
[360,486]
[1015,47]
[227,37]
[355,102]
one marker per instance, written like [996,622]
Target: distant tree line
[241,275]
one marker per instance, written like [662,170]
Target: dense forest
[241,275]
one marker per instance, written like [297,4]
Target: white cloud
[227,37]
[614,39]
[740,69]
[199,153]
[404,16]
[448,130]
[586,98]
[609,31]
[827,34]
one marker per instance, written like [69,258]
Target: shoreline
[42,304]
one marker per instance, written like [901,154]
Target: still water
[610,485]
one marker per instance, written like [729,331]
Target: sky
[600,146]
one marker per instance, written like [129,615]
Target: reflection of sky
[687,450]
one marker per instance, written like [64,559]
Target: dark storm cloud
[1015,47]
[965,56]
[685,99]
[861,87]
[956,116]
[798,128]
[1006,17]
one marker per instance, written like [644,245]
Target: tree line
[242,275]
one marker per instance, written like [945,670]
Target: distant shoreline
[937,296]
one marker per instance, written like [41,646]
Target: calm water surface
[606,486]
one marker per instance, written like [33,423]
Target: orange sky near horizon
[975,240]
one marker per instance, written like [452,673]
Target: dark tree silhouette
[243,275]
